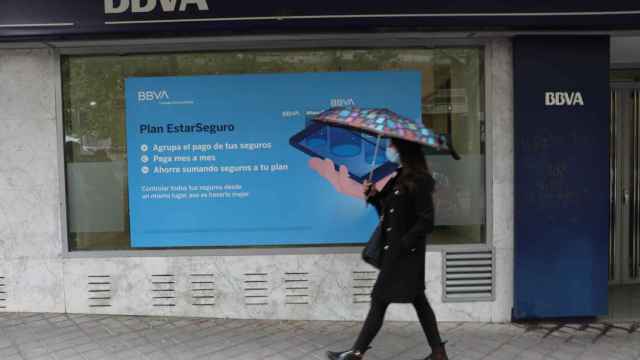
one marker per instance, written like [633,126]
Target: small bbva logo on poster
[557,98]
[342,102]
[151,95]
[145,6]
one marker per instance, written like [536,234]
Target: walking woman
[405,206]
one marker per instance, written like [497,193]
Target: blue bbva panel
[561,176]
[226,160]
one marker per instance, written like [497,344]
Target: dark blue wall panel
[63,19]
[561,176]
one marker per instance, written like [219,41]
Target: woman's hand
[369,189]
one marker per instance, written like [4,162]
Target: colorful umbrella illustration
[386,123]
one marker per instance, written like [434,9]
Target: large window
[95,138]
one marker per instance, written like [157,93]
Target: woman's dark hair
[413,162]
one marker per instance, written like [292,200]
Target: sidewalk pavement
[29,336]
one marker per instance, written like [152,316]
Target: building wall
[30,241]
[39,277]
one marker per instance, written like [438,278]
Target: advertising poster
[234,160]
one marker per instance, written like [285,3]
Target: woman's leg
[427,320]
[372,325]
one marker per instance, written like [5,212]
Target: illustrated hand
[341,180]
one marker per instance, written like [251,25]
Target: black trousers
[374,320]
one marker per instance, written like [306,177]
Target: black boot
[438,353]
[344,355]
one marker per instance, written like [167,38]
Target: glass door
[624,231]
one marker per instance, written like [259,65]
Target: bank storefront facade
[159,159]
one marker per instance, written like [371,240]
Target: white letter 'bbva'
[145,6]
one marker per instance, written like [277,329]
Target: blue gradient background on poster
[292,207]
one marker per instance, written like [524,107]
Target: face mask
[392,155]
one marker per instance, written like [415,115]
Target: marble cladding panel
[433,277]
[6,290]
[501,72]
[29,188]
[27,81]
[29,149]
[503,227]
[501,309]
[502,101]
[29,223]
[328,287]
[33,285]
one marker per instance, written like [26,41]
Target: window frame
[267,42]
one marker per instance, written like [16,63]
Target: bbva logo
[151,95]
[557,98]
[342,102]
[145,6]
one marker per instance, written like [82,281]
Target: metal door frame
[624,155]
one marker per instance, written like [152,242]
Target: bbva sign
[557,98]
[150,95]
[145,6]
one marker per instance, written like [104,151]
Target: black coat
[407,217]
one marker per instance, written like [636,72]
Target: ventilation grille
[297,288]
[203,290]
[362,286]
[256,289]
[3,293]
[100,290]
[469,275]
[163,290]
